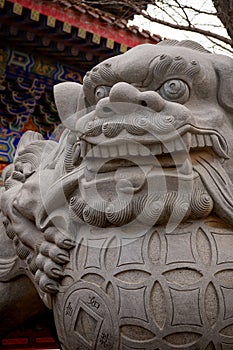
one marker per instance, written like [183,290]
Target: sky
[206,22]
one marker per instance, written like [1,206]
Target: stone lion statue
[124,227]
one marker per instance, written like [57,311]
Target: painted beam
[85,22]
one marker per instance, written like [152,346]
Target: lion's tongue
[217,183]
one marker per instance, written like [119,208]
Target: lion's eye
[175,90]
[101,92]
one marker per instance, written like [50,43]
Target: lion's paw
[51,260]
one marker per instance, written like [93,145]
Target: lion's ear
[69,99]
[224,69]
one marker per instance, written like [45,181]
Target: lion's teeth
[194,141]
[144,151]
[136,149]
[132,149]
[179,145]
[90,153]
[208,141]
[96,152]
[104,152]
[186,168]
[122,149]
[156,149]
[168,147]
[113,151]
[89,147]
[200,140]
[187,139]
[83,148]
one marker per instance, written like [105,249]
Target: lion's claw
[53,236]
[53,255]
[52,270]
[61,258]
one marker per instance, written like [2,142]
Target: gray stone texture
[124,226]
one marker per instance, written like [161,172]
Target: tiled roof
[109,18]
[89,19]
[118,9]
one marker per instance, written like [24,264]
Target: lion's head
[155,136]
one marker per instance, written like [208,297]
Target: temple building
[43,43]
[47,42]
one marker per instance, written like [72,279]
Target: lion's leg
[18,302]
[19,299]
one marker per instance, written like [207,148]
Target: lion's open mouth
[122,180]
[120,152]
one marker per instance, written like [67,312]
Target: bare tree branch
[188,29]
[225,48]
[177,15]
[184,12]
[199,11]
[164,11]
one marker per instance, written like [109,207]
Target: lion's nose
[127,94]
